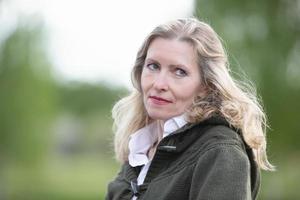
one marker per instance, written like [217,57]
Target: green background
[56,138]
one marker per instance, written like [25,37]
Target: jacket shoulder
[221,134]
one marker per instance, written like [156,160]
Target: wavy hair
[235,101]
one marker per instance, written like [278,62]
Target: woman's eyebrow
[178,65]
[151,60]
[171,65]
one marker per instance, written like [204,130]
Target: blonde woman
[188,130]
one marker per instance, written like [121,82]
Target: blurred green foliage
[27,96]
[263,38]
[101,97]
[56,138]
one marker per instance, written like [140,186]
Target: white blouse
[143,139]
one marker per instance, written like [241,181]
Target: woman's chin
[160,116]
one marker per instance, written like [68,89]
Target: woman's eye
[153,66]
[180,72]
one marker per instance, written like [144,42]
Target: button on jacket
[201,161]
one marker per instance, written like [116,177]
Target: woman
[188,130]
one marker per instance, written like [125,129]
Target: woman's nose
[161,82]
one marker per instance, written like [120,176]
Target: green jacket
[203,161]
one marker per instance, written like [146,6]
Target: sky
[95,40]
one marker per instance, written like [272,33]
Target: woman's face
[170,78]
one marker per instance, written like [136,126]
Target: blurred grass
[80,177]
[284,182]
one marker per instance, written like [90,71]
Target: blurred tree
[85,116]
[263,37]
[83,99]
[27,95]
[31,105]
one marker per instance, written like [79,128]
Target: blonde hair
[235,101]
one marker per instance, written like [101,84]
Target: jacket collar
[142,140]
[177,142]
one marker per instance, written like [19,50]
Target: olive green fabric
[207,160]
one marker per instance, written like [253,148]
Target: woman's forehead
[171,49]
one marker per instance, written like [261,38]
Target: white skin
[170,78]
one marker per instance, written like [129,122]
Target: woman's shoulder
[223,134]
[220,143]
[216,131]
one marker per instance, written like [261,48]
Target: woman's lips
[159,100]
